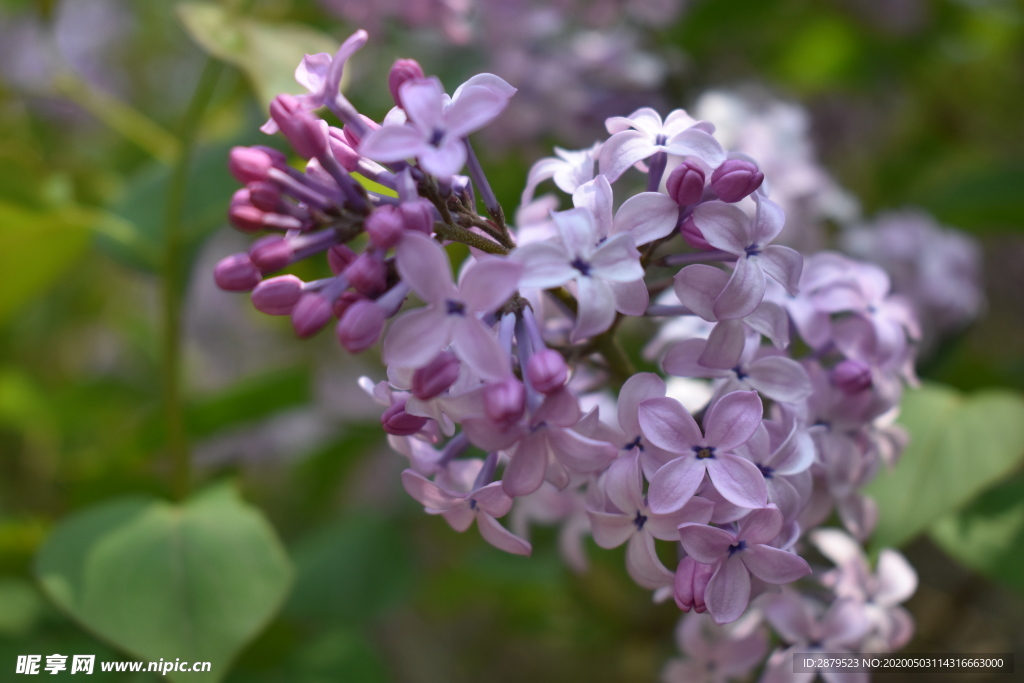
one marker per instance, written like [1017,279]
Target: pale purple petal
[761,526]
[647,216]
[423,101]
[624,482]
[897,580]
[725,345]
[424,266]
[622,150]
[845,623]
[783,265]
[724,226]
[427,493]
[610,530]
[392,143]
[674,484]
[678,120]
[500,537]
[578,229]
[784,496]
[617,259]
[666,527]
[705,544]
[546,264]
[417,336]
[443,161]
[488,283]
[631,298]
[492,500]
[743,292]
[732,420]
[738,480]
[459,518]
[698,286]
[769,221]
[312,70]
[728,591]
[596,195]
[497,84]
[790,615]
[579,453]
[667,425]
[697,143]
[770,319]
[475,108]
[638,388]
[525,471]
[779,378]
[643,564]
[683,360]
[596,308]
[478,347]
[773,565]
[542,170]
[644,119]
[737,656]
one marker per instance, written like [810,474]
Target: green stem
[173,276]
[455,233]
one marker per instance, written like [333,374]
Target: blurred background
[890,130]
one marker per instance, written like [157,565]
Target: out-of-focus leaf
[195,581]
[960,445]
[20,607]
[988,535]
[36,247]
[979,200]
[351,571]
[250,399]
[819,54]
[266,53]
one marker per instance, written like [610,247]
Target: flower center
[582,266]
[639,521]
[453,307]
[436,137]
[635,443]
[766,472]
[740,375]
[737,547]
[753,250]
[472,503]
[704,452]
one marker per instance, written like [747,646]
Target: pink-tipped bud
[236,273]
[385,226]
[436,376]
[245,217]
[403,71]
[418,215]
[342,151]
[339,257]
[351,138]
[277,295]
[547,371]
[691,583]
[309,315]
[685,183]
[265,196]
[346,299]
[400,423]
[851,377]
[693,236]
[250,164]
[303,130]
[505,401]
[367,274]
[271,253]
[361,325]
[735,179]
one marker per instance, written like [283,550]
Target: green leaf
[36,248]
[960,445]
[988,535]
[20,607]
[195,581]
[266,53]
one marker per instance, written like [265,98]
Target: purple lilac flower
[642,134]
[715,653]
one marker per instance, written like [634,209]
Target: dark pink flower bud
[265,196]
[735,179]
[342,151]
[403,70]
[361,325]
[851,377]
[436,376]
[309,315]
[277,295]
[691,582]
[302,129]
[245,217]
[339,257]
[271,253]
[505,401]
[693,236]
[367,274]
[547,371]
[250,164]
[385,226]
[236,273]
[346,299]
[686,183]
[400,423]
[418,215]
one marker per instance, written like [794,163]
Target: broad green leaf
[960,445]
[20,607]
[266,53]
[195,581]
[988,535]
[36,248]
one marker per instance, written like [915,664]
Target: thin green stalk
[174,414]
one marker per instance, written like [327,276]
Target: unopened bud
[735,179]
[505,401]
[236,273]
[685,183]
[547,371]
[303,130]
[400,423]
[245,217]
[309,315]
[361,325]
[350,136]
[693,236]
[402,71]
[418,215]
[265,196]
[277,295]
[250,164]
[367,274]
[339,257]
[271,253]
[691,583]
[385,226]
[436,376]
[851,376]
[342,151]
[344,300]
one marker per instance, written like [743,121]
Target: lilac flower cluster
[496,377]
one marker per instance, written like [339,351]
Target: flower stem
[173,267]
